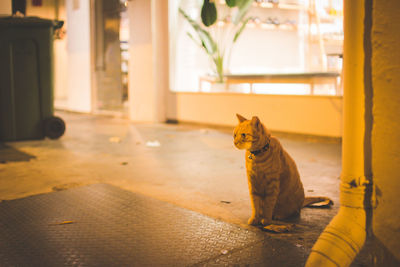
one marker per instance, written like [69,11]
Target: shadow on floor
[8,153]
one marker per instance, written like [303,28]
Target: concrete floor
[195,167]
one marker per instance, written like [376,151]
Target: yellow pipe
[345,235]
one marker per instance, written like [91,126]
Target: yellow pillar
[345,235]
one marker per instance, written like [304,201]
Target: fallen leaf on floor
[225,202]
[322,204]
[62,187]
[154,143]
[275,228]
[124,163]
[62,223]
[114,139]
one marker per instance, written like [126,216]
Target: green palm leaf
[208,13]
[207,42]
[243,6]
[231,3]
[240,30]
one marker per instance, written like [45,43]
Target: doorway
[111,35]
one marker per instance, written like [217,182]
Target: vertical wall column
[5,8]
[148,63]
[79,85]
[386,130]
[345,235]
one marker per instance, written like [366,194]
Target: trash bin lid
[25,22]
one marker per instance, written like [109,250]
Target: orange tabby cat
[275,187]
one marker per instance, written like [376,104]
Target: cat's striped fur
[275,187]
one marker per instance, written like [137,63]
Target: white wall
[79,57]
[314,115]
[148,63]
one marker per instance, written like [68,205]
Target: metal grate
[102,225]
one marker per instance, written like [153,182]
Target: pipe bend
[341,240]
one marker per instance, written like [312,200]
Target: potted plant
[217,44]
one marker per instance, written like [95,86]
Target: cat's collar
[256,152]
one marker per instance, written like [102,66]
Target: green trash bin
[26,79]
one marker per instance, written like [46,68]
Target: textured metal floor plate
[102,225]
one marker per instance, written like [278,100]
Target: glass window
[279,40]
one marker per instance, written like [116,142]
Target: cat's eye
[243,135]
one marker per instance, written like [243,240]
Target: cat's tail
[317,202]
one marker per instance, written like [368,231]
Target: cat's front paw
[254,221]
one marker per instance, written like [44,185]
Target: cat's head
[249,134]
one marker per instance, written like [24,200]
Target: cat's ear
[255,121]
[241,118]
